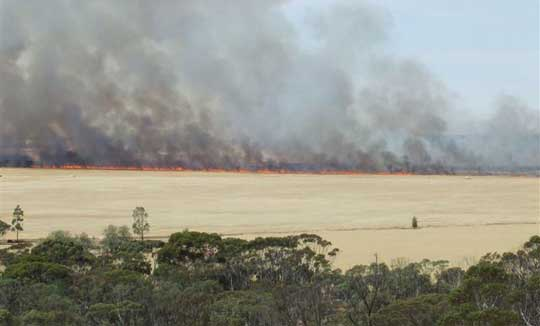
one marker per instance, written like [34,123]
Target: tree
[17,221]
[140,221]
[46,318]
[4,227]
[123,313]
[82,239]
[483,298]
[189,247]
[365,291]
[65,252]
[115,238]
[424,310]
[312,303]
[6,318]
[38,271]
[239,308]
[524,268]
[414,222]
[410,280]
[449,279]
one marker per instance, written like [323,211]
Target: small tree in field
[17,221]
[414,223]
[140,221]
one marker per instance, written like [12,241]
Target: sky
[480,49]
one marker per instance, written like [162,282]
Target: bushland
[197,278]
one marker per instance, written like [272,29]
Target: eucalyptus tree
[140,222]
[17,221]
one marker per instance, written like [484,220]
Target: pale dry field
[461,218]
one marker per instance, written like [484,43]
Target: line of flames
[181,169]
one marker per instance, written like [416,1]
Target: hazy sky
[481,49]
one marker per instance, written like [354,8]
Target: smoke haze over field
[207,84]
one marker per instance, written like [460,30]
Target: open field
[361,214]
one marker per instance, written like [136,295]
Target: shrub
[414,223]
[37,271]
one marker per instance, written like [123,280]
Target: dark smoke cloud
[206,84]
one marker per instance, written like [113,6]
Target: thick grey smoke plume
[214,84]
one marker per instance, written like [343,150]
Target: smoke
[511,137]
[206,84]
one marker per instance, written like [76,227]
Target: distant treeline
[426,169]
[204,279]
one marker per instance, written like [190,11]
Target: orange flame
[213,170]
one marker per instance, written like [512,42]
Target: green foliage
[483,298]
[37,271]
[484,285]
[11,295]
[115,238]
[365,290]
[488,317]
[140,222]
[449,279]
[122,313]
[314,303]
[6,318]
[241,308]
[195,299]
[4,227]
[424,310]
[49,318]
[189,246]
[120,250]
[410,281]
[64,251]
[17,221]
[203,279]
[82,239]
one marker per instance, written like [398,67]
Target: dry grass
[459,218]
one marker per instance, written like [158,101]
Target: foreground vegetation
[203,279]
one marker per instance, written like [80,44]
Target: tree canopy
[205,279]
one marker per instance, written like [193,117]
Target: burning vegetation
[192,85]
